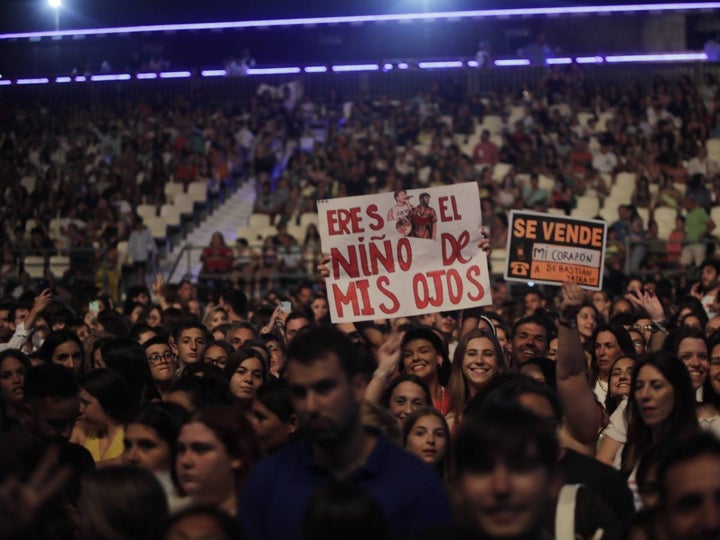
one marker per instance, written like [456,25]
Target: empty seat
[198,191]
[184,203]
[307,218]
[258,221]
[500,171]
[157,227]
[59,264]
[172,189]
[146,211]
[492,123]
[171,214]
[498,260]
[35,266]
[588,204]
[665,219]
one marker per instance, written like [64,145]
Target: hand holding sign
[572,295]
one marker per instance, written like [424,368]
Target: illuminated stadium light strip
[559,61]
[671,57]
[213,72]
[114,77]
[39,80]
[512,62]
[355,19]
[355,67]
[273,71]
[315,69]
[505,62]
[589,60]
[440,65]
[175,74]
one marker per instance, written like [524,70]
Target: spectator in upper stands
[698,226]
[267,202]
[702,164]
[141,248]
[621,227]
[486,151]
[605,161]
[217,258]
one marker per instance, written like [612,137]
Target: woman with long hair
[608,343]
[14,365]
[150,442]
[215,450]
[246,370]
[426,435]
[272,416]
[63,347]
[661,405]
[405,394]
[104,410]
[477,359]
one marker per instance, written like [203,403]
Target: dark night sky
[29,15]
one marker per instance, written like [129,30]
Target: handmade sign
[404,253]
[550,249]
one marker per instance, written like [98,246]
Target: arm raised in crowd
[650,304]
[584,416]
[388,360]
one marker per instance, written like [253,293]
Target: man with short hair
[446,322]
[689,480]
[531,336]
[402,206]
[162,363]
[188,342]
[327,378]
[707,287]
[507,476]
[240,332]
[533,300]
[234,303]
[185,292]
[294,322]
[423,219]
[606,482]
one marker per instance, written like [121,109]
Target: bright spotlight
[55,4]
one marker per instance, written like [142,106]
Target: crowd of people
[572,413]
[243,412]
[72,178]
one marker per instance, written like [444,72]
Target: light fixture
[356,19]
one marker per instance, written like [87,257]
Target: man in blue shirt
[326,375]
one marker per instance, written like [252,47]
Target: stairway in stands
[226,219]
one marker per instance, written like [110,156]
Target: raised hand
[648,302]
[572,295]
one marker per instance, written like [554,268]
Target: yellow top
[92,444]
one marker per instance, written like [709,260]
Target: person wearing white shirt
[702,164]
